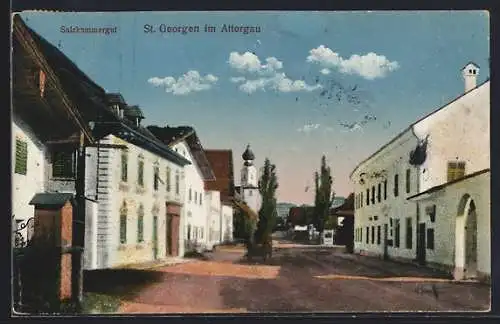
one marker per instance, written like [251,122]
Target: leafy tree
[268,183]
[324,195]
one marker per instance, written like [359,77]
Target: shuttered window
[124,173]
[396,185]
[409,233]
[21,166]
[456,170]
[63,164]
[177,183]
[140,224]
[140,172]
[408,180]
[169,180]
[123,227]
[156,180]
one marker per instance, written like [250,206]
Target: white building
[133,183]
[214,215]
[412,194]
[184,140]
[222,165]
[249,183]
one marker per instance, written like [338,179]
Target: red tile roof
[222,165]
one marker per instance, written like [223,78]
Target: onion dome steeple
[248,156]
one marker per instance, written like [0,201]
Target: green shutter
[124,176]
[21,166]
[140,173]
[123,228]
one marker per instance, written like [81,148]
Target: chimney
[470,72]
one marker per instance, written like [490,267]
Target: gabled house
[131,215]
[222,165]
[426,193]
[197,219]
[47,92]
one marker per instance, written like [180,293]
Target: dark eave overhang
[135,137]
[26,39]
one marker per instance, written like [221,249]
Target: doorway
[169,235]
[471,243]
[421,243]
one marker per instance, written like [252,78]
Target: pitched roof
[222,165]
[173,135]
[410,127]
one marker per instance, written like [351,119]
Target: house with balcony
[425,195]
[184,141]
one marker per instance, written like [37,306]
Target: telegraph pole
[79,224]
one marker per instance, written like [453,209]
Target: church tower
[249,180]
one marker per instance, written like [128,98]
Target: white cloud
[237,79]
[370,66]
[191,81]
[269,75]
[249,62]
[278,82]
[325,71]
[307,128]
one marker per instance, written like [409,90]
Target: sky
[296,86]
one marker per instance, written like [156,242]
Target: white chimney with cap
[470,72]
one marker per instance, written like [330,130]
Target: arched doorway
[466,239]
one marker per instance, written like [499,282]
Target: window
[396,185]
[408,178]
[409,233]
[201,199]
[123,224]
[397,232]
[140,224]
[430,238]
[63,164]
[124,164]
[190,195]
[391,226]
[367,197]
[378,235]
[385,189]
[456,170]
[195,197]
[379,192]
[373,234]
[361,200]
[201,233]
[373,195]
[140,172]
[177,183]
[168,179]
[367,235]
[21,166]
[361,234]
[189,232]
[250,192]
[156,179]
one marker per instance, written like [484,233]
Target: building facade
[222,165]
[184,140]
[449,144]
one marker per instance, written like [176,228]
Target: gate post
[54,232]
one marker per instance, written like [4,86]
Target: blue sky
[273,89]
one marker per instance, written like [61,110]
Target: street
[296,279]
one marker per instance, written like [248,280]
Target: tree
[268,183]
[324,195]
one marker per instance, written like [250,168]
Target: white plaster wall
[154,203]
[213,206]
[252,198]
[460,132]
[447,201]
[394,159]
[227,223]
[195,212]
[24,187]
